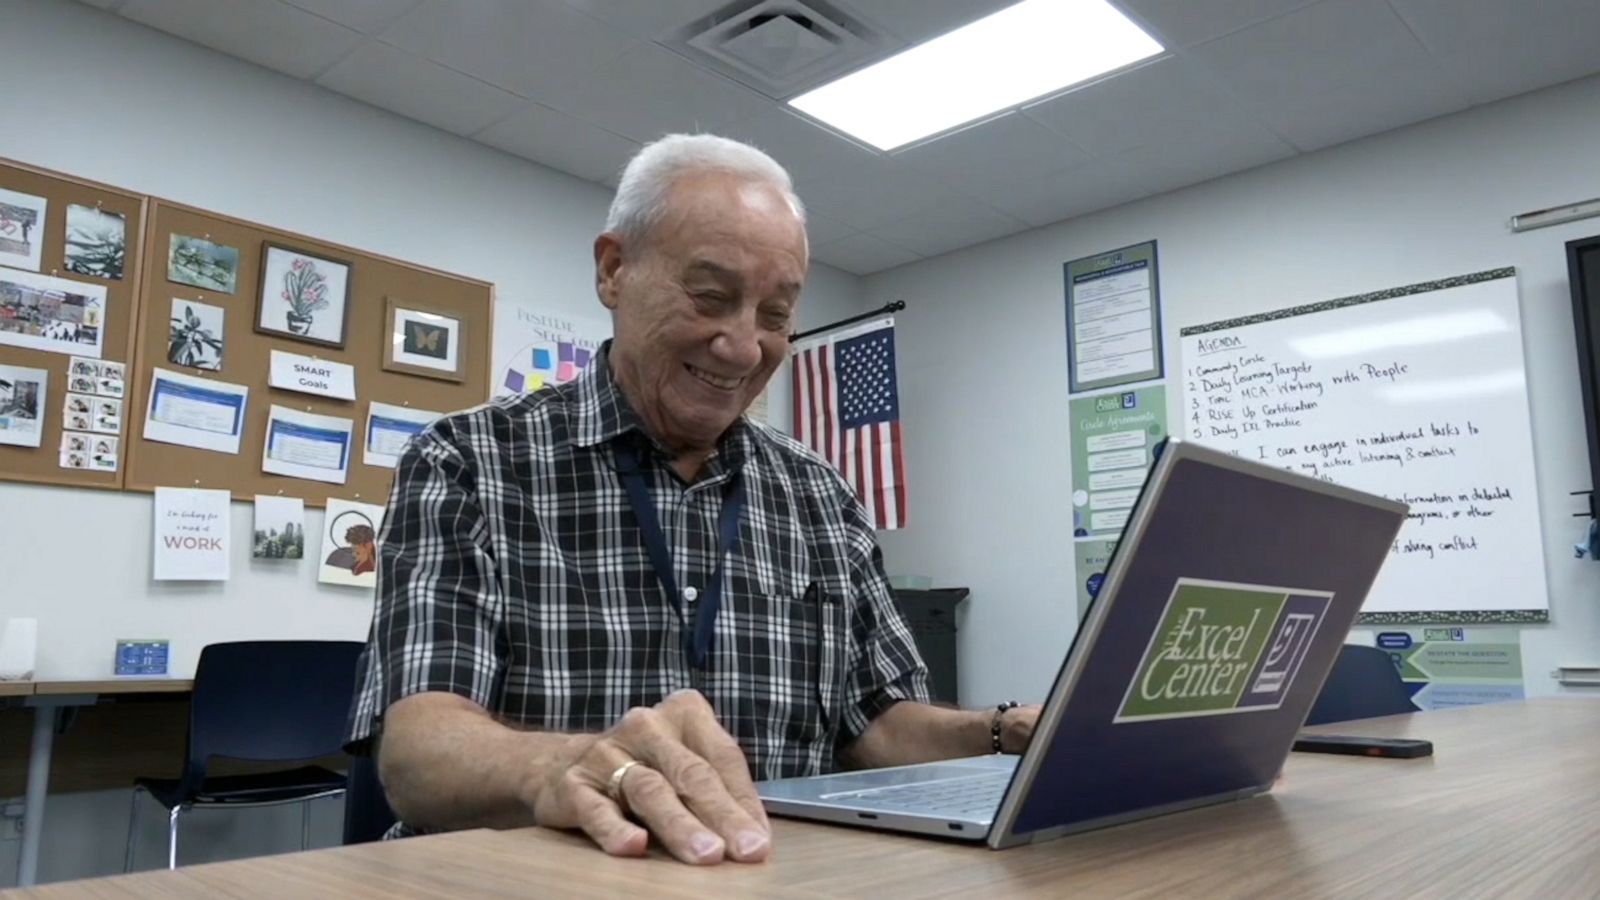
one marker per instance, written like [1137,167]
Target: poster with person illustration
[350,543]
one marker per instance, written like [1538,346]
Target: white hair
[641,197]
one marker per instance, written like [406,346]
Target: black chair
[1364,684]
[367,815]
[262,701]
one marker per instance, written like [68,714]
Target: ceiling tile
[1384,99]
[1181,23]
[561,142]
[821,229]
[365,16]
[266,32]
[1206,154]
[863,254]
[994,152]
[873,192]
[528,47]
[1497,49]
[1162,102]
[1125,177]
[806,149]
[1095,185]
[647,19]
[920,20]
[650,92]
[1311,51]
[949,226]
[412,86]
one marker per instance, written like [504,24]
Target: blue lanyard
[696,645]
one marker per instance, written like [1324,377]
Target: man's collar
[604,414]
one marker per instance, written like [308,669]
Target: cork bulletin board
[358,335]
[19,304]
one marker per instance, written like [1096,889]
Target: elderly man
[608,605]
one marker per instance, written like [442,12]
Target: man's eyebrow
[715,270]
[790,289]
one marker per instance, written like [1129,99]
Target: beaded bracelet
[994,727]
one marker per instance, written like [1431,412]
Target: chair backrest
[271,701]
[367,815]
[1364,684]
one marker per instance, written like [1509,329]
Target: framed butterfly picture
[424,342]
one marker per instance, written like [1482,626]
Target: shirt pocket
[832,647]
[801,629]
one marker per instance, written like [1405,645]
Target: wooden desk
[116,686]
[16,688]
[1508,807]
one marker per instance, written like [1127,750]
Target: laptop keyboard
[978,796]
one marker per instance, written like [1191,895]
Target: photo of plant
[97,241]
[280,531]
[195,337]
[290,543]
[303,296]
[202,264]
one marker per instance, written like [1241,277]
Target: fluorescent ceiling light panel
[1034,48]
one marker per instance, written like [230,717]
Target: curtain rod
[892,306]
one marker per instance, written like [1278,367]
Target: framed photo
[303,296]
[423,342]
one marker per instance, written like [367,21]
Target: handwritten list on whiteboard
[1416,393]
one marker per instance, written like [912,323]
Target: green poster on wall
[1090,558]
[1114,437]
[1446,666]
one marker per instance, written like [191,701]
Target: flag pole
[892,306]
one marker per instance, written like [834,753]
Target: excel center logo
[1223,648]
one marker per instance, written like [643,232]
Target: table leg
[44,732]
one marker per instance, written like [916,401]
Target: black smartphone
[1393,748]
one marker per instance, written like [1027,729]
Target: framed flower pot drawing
[423,342]
[304,297]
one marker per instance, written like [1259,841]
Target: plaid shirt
[512,572]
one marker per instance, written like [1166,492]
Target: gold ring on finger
[614,786]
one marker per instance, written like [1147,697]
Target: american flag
[847,408]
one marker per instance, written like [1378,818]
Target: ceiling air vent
[779,47]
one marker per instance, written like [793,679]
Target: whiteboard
[1418,393]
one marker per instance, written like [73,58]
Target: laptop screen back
[1231,604]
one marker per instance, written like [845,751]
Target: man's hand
[1016,727]
[691,788]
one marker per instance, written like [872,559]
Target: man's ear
[608,268]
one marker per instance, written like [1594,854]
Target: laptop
[1220,616]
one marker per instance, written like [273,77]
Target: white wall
[983,358]
[251,143]
[112,101]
